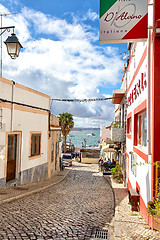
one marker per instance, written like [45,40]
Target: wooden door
[11,157]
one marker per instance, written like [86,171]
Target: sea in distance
[79,136]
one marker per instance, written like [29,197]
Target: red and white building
[142,77]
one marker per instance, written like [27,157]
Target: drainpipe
[155,93]
[49,123]
[12,107]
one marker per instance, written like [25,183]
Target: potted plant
[115,125]
[154,211]
[117,173]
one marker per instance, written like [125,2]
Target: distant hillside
[81,129]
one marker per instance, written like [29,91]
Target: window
[35,144]
[129,125]
[52,152]
[133,164]
[142,129]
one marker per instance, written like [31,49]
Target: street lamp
[13,46]
[12,43]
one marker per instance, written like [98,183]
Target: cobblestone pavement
[71,209]
[14,193]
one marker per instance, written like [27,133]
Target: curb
[109,180]
[114,223]
[34,191]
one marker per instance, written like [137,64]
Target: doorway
[12,156]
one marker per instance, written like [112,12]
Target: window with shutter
[35,144]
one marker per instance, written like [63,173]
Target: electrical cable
[84,100]
[24,105]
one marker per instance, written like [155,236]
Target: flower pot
[156,223]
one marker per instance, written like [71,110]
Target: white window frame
[143,118]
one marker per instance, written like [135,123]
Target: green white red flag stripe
[123,21]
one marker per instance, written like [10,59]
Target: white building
[24,140]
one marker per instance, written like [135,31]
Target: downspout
[49,123]
[12,106]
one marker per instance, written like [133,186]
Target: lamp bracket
[6,29]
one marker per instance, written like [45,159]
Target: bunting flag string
[83,100]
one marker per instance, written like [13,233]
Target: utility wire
[24,105]
[59,100]
[83,100]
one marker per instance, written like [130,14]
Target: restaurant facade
[142,96]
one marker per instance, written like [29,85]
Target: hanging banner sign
[123,21]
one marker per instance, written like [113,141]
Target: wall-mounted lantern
[12,42]
[13,46]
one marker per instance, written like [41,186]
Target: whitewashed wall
[142,176]
[25,120]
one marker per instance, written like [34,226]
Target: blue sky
[62,56]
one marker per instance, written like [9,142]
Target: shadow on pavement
[120,191]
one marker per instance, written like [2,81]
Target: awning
[118,96]
[108,149]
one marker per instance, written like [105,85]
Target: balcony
[118,95]
[54,120]
[106,135]
[118,133]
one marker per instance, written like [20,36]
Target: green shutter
[105,5]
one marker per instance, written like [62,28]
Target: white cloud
[91,15]
[60,58]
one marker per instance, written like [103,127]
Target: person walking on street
[101,164]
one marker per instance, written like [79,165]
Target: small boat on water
[71,135]
[90,134]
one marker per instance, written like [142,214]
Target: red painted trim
[138,188]
[127,155]
[129,115]
[129,136]
[150,221]
[155,93]
[142,206]
[141,154]
[141,108]
[149,93]
[118,98]
[143,209]
[129,121]
[135,130]
[129,184]
[138,68]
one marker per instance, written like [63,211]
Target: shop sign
[123,21]
[138,87]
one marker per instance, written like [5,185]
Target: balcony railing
[118,132]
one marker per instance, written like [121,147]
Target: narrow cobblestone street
[71,209]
